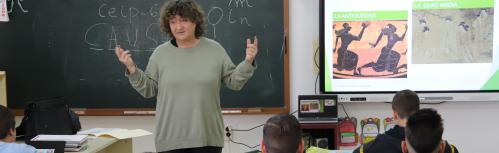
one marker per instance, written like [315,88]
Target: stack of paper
[75,149]
[116,133]
[45,150]
[73,142]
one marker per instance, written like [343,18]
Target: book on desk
[70,143]
[115,133]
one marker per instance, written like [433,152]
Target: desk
[108,145]
[105,145]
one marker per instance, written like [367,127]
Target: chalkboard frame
[225,111]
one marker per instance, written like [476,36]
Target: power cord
[316,78]
[315,55]
[245,130]
[317,66]
[251,147]
[238,130]
[344,110]
[228,133]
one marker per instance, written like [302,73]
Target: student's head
[282,134]
[404,103]
[7,125]
[182,19]
[424,133]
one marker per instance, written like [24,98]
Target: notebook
[116,132]
[318,108]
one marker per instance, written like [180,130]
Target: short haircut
[405,102]
[424,130]
[185,9]
[282,134]
[7,121]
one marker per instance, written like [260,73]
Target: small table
[108,145]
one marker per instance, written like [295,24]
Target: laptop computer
[318,108]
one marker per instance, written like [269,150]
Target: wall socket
[228,132]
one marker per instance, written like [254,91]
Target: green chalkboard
[66,48]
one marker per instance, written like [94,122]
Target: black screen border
[322,67]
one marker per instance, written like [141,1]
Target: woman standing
[185,74]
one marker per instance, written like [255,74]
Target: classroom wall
[470,126]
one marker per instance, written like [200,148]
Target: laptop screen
[318,106]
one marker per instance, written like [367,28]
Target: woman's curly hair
[185,9]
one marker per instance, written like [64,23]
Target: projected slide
[452,34]
[371,49]
[423,45]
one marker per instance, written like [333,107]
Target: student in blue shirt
[8,134]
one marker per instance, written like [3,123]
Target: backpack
[48,116]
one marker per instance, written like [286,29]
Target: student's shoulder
[18,148]
[382,143]
[450,148]
[26,148]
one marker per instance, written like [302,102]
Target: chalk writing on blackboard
[216,14]
[133,30]
[10,8]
